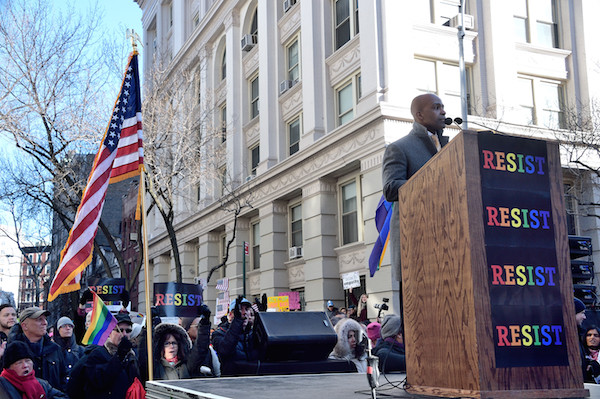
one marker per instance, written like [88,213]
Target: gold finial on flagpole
[135,38]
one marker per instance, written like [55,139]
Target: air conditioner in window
[248,42]
[469,22]
[285,85]
[295,252]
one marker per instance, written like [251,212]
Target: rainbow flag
[102,324]
[383,216]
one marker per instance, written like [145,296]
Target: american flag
[223,284]
[120,156]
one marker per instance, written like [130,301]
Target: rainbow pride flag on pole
[383,216]
[102,323]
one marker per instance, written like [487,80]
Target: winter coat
[191,356]
[71,353]
[234,345]
[391,355]
[101,374]
[7,390]
[50,366]
[342,350]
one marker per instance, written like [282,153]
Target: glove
[86,297]
[124,299]
[236,310]
[204,313]
[124,347]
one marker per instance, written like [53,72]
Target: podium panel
[487,293]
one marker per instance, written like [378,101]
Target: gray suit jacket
[402,159]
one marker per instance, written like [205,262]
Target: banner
[279,303]
[526,303]
[294,299]
[109,289]
[177,299]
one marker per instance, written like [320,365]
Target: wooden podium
[487,291]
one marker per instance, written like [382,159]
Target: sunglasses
[125,330]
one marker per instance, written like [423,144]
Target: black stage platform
[311,386]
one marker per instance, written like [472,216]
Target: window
[223,123]
[170,15]
[540,103]
[571,208]
[294,136]
[442,79]
[28,297]
[535,22]
[254,25]
[346,21]
[254,159]
[439,12]
[347,96]
[29,284]
[254,97]
[296,225]
[256,245]
[349,212]
[223,251]
[224,64]
[293,61]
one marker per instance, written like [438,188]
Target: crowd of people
[51,361]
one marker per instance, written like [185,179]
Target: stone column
[273,248]
[320,230]
[235,140]
[208,256]
[188,256]
[236,253]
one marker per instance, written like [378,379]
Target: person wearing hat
[107,371]
[48,360]
[579,312]
[234,339]
[390,348]
[331,310]
[18,379]
[66,340]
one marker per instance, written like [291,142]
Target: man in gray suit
[404,157]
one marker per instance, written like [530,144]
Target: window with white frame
[254,25]
[28,297]
[293,129]
[535,22]
[254,159]
[347,96]
[293,61]
[350,211]
[29,283]
[438,12]
[296,225]
[223,118]
[540,102]
[346,21]
[255,245]
[443,79]
[254,97]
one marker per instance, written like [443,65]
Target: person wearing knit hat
[65,338]
[390,349]
[374,333]
[18,380]
[579,311]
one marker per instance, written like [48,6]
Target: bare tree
[179,142]
[54,106]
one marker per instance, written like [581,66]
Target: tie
[436,142]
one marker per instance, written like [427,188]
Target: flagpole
[146,277]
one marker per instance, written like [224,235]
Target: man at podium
[404,157]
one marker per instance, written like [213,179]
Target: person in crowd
[80,320]
[350,346]
[591,347]
[390,349]
[18,379]
[331,309]
[109,370]
[8,318]
[361,305]
[234,339]
[352,312]
[579,312]
[190,325]
[337,318]
[48,360]
[343,310]
[404,157]
[374,333]
[175,357]
[66,340]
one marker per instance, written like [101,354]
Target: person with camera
[107,371]
[234,340]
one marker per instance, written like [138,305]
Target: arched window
[254,25]
[224,65]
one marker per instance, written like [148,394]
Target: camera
[384,305]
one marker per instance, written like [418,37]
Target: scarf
[593,354]
[173,361]
[28,385]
